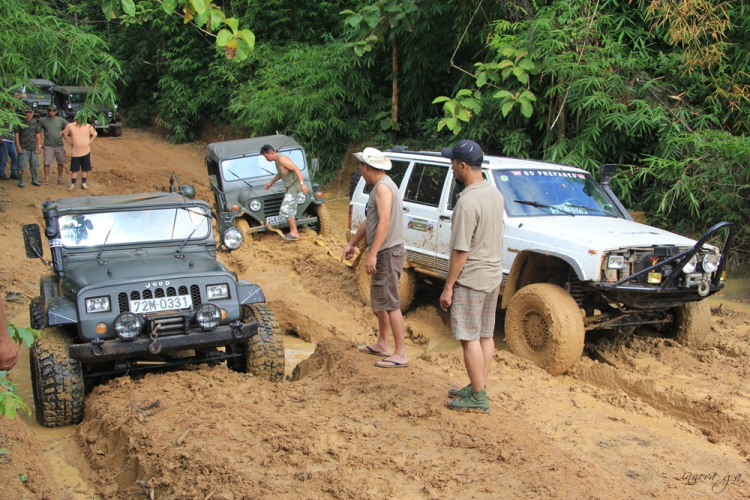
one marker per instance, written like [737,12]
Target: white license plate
[276,220]
[161,304]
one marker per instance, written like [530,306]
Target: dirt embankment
[639,416]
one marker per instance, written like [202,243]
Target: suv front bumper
[117,349]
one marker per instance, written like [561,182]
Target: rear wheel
[264,353]
[692,324]
[544,325]
[407,284]
[57,380]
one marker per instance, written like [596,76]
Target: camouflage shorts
[289,205]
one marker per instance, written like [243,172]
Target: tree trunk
[394,99]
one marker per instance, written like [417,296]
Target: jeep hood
[597,233]
[146,269]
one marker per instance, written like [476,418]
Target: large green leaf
[502,94]
[232,23]
[481,79]
[354,20]
[507,107]
[526,108]
[249,37]
[463,93]
[198,5]
[223,37]
[526,64]
[216,17]
[129,7]
[169,6]
[441,98]
[111,8]
[243,49]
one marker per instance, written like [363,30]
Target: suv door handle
[445,217]
[406,209]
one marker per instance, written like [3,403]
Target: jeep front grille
[273,205]
[150,293]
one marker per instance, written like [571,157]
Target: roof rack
[404,149]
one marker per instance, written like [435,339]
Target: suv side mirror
[32,241]
[313,167]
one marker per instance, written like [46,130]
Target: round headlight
[711,262]
[301,198]
[208,316]
[690,266]
[128,326]
[233,238]
[254,205]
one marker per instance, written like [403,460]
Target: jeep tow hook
[237,329]
[97,348]
[154,347]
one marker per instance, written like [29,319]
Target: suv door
[422,201]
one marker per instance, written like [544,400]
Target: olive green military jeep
[135,288]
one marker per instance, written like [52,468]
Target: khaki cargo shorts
[473,313]
[54,152]
[289,205]
[384,289]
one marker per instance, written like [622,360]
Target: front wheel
[264,353]
[242,224]
[36,313]
[544,325]
[57,380]
[323,226]
[692,324]
[406,284]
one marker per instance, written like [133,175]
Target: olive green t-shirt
[52,128]
[290,180]
[477,228]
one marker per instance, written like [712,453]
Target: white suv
[573,258]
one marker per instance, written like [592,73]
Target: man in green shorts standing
[53,125]
[291,176]
[475,272]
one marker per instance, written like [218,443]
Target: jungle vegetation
[658,86]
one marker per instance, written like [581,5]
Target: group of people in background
[475,273]
[23,144]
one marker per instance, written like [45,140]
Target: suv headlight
[615,262]
[208,316]
[301,198]
[690,266]
[98,305]
[254,205]
[128,325]
[711,262]
[233,238]
[217,292]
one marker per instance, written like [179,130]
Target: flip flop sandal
[61,182]
[289,237]
[393,364]
[369,350]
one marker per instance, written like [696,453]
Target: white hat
[374,158]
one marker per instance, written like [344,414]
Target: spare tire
[356,175]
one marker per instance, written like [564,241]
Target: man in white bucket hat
[385,239]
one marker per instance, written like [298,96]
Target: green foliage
[10,401]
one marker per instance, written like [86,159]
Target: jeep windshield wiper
[99,256]
[544,205]
[178,253]
[240,178]
[596,209]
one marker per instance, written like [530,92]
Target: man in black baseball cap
[466,151]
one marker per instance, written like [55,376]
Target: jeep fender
[61,311]
[249,293]
[511,286]
[47,287]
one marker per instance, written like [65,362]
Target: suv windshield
[136,226]
[77,97]
[564,193]
[249,167]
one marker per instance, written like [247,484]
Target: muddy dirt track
[640,416]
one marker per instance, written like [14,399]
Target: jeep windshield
[77,98]
[533,193]
[249,167]
[134,226]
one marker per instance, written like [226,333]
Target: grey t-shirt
[52,128]
[477,228]
[395,234]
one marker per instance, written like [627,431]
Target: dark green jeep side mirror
[32,241]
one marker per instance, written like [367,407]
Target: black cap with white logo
[466,151]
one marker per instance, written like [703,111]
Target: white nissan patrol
[573,258]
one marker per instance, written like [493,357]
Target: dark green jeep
[38,94]
[237,173]
[136,282]
[70,100]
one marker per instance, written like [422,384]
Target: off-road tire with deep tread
[242,224]
[354,181]
[692,324]
[36,313]
[407,284]
[323,226]
[265,351]
[118,132]
[544,325]
[57,380]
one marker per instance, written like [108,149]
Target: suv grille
[150,293]
[273,205]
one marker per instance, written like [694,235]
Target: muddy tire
[692,324]
[407,284]
[265,351]
[354,181]
[242,224]
[544,325]
[36,313]
[57,380]
[323,226]
[118,132]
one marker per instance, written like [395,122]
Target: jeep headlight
[110,114]
[615,262]
[301,198]
[128,326]
[97,305]
[232,238]
[711,262]
[690,266]
[254,205]
[217,292]
[208,316]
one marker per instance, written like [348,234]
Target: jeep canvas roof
[72,90]
[142,200]
[217,151]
